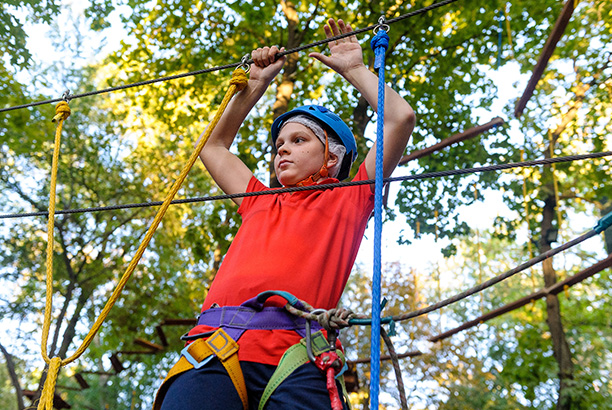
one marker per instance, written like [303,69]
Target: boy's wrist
[356,74]
[258,83]
[254,88]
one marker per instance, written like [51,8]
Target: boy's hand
[265,66]
[345,54]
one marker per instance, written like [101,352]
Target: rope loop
[380,45]
[380,40]
[336,319]
[332,319]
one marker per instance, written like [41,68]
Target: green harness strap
[295,357]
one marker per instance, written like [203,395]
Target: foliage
[127,147]
[12,34]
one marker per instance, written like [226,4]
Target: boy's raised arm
[228,171]
[346,59]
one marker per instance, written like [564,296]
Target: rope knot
[335,319]
[62,111]
[381,39]
[239,79]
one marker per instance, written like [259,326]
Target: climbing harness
[238,82]
[379,43]
[232,321]
[220,345]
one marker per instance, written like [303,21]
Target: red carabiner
[329,364]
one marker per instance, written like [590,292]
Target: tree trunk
[13,375]
[561,350]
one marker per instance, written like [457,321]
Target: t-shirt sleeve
[363,197]
[254,185]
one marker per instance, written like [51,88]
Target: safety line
[478,288]
[519,303]
[380,44]
[232,65]
[427,175]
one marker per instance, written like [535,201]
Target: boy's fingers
[255,56]
[334,27]
[349,29]
[266,55]
[328,32]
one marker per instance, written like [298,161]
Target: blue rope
[380,44]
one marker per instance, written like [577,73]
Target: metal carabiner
[308,338]
[382,25]
[244,64]
[67,96]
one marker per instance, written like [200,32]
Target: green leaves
[13,14]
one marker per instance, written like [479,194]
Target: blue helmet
[332,123]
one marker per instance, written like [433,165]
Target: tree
[12,34]
[91,249]
[438,60]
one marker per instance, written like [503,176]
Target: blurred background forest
[451,64]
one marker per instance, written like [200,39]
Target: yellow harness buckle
[222,344]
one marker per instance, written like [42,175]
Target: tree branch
[13,375]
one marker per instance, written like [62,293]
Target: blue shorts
[210,388]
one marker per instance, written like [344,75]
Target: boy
[304,243]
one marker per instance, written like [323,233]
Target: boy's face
[299,154]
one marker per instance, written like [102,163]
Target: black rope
[427,175]
[497,279]
[482,286]
[223,67]
[396,368]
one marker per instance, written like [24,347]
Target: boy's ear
[332,160]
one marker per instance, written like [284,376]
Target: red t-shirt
[304,243]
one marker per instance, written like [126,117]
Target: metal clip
[309,350]
[244,64]
[67,96]
[382,25]
[194,362]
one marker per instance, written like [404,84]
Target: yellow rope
[62,111]
[238,82]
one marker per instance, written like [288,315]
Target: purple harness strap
[252,314]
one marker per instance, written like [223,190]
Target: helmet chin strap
[321,173]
